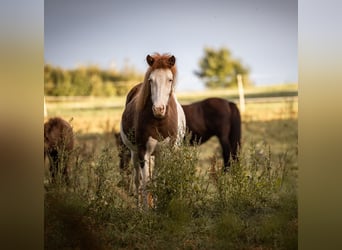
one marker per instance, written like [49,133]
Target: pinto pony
[152,115]
[58,144]
[205,119]
[215,117]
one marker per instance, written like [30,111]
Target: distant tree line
[89,81]
[217,69]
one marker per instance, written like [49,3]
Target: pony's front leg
[147,168]
[141,167]
[137,175]
[145,179]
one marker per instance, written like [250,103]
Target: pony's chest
[158,129]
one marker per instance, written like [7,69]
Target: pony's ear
[150,60]
[172,60]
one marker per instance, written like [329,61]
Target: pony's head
[160,79]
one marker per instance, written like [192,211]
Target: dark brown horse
[215,117]
[58,144]
[152,114]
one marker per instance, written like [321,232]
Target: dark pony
[58,144]
[215,117]
[152,114]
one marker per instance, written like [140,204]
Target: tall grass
[253,206]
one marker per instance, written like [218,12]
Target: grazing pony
[215,117]
[58,144]
[152,115]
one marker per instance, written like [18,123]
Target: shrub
[174,176]
[250,183]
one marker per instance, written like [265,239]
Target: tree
[81,82]
[219,69]
[89,81]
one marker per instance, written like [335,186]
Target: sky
[262,34]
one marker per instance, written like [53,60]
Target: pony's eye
[170,80]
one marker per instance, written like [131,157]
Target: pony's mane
[160,62]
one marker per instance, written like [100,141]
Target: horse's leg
[145,178]
[53,160]
[147,168]
[66,168]
[226,151]
[235,132]
[124,156]
[136,166]
[235,144]
[234,140]
[151,201]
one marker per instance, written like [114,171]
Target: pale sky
[261,33]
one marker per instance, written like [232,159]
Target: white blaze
[161,81]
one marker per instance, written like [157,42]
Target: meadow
[254,206]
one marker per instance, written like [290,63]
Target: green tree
[96,85]
[89,80]
[219,69]
[56,81]
[81,82]
[109,89]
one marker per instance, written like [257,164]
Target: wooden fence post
[241,94]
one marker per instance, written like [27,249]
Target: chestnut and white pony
[152,115]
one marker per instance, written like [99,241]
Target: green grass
[254,206]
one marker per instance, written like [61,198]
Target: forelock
[162,62]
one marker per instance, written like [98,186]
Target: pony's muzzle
[159,111]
